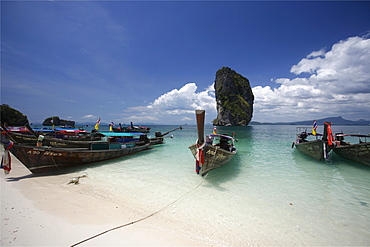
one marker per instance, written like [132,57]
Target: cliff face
[234,98]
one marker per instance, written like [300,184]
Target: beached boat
[60,133]
[359,152]
[213,152]
[131,128]
[47,159]
[32,138]
[318,148]
[63,133]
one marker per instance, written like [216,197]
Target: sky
[155,62]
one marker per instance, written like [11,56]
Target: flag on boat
[329,133]
[314,127]
[97,124]
[199,159]
[111,126]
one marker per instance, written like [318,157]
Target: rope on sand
[146,217]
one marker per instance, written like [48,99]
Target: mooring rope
[52,158]
[146,217]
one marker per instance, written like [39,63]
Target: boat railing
[301,133]
[342,136]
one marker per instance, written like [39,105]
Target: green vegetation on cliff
[58,122]
[234,98]
[12,117]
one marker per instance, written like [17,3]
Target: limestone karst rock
[57,122]
[234,98]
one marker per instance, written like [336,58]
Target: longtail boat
[358,152]
[159,137]
[213,152]
[31,137]
[318,148]
[131,128]
[50,141]
[47,159]
[61,133]
[96,137]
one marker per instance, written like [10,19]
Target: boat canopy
[355,135]
[123,134]
[71,130]
[228,137]
[47,130]
[17,128]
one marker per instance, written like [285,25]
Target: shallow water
[269,194]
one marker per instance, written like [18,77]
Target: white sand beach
[47,211]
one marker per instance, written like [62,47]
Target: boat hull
[314,148]
[45,159]
[214,157]
[51,141]
[359,153]
[156,140]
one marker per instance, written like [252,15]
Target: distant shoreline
[340,124]
[335,120]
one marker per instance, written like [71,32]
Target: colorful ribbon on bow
[6,161]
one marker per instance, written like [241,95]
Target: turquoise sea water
[269,194]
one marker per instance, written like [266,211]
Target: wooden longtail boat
[359,152]
[30,136]
[97,137]
[208,153]
[159,137]
[61,133]
[132,128]
[318,148]
[49,141]
[46,159]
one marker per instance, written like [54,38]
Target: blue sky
[155,62]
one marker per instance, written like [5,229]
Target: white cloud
[176,106]
[338,83]
[185,100]
[186,119]
[71,100]
[319,53]
[143,118]
[89,116]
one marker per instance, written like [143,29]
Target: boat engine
[158,134]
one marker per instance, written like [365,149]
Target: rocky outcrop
[234,98]
[58,122]
[12,117]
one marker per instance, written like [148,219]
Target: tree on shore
[12,117]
